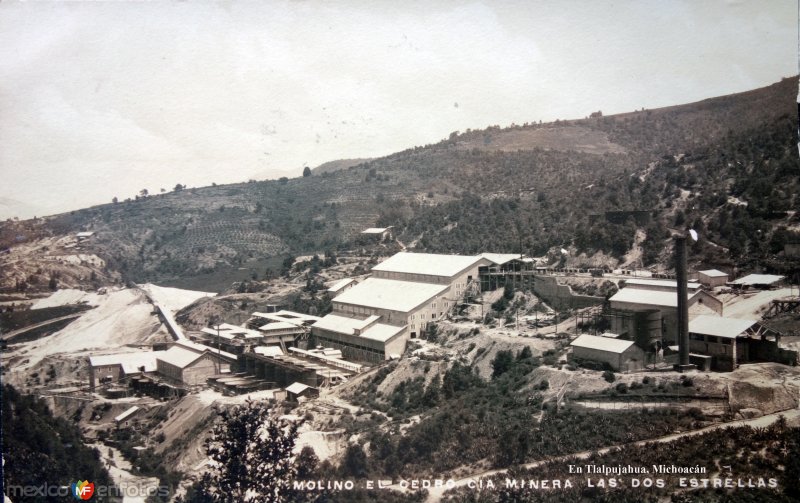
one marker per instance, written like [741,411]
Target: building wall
[199,371]
[669,320]
[353,347]
[101,371]
[631,359]
[169,371]
[712,281]
[597,355]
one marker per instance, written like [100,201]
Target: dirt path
[435,493]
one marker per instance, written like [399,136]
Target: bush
[622,388]
[609,376]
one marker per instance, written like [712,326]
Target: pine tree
[253,457]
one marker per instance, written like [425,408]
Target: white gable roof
[297,387]
[179,357]
[602,343]
[131,362]
[719,326]
[501,258]
[661,298]
[713,273]
[427,263]
[128,413]
[340,284]
[390,294]
[758,279]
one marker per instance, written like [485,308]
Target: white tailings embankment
[121,317]
[173,299]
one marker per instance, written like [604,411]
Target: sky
[99,100]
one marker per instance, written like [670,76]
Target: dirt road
[435,494]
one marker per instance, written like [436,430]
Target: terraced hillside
[523,188]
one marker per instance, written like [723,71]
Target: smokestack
[683,304]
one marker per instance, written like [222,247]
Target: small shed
[125,418]
[377,233]
[298,391]
[712,278]
[621,355]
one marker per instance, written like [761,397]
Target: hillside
[526,188]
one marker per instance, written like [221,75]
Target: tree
[502,362]
[144,193]
[306,171]
[178,187]
[115,200]
[252,454]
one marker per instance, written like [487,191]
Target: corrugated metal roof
[758,279]
[663,298]
[297,388]
[268,350]
[345,325]
[179,357]
[128,413]
[501,258]
[199,348]
[130,362]
[279,325]
[381,332]
[713,273]
[390,294]
[340,284]
[659,283]
[719,326]
[427,263]
[602,343]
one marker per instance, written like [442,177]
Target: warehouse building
[373,320]
[192,365]
[661,305]
[620,355]
[730,342]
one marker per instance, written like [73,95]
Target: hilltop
[726,166]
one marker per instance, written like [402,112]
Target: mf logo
[82,490]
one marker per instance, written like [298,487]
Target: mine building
[729,342]
[186,365]
[373,320]
[712,278]
[116,368]
[620,355]
[376,234]
[298,392]
[230,338]
[652,312]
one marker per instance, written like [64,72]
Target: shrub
[609,376]
[622,388]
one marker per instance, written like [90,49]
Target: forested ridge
[526,188]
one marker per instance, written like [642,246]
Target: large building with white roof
[374,319]
[639,307]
